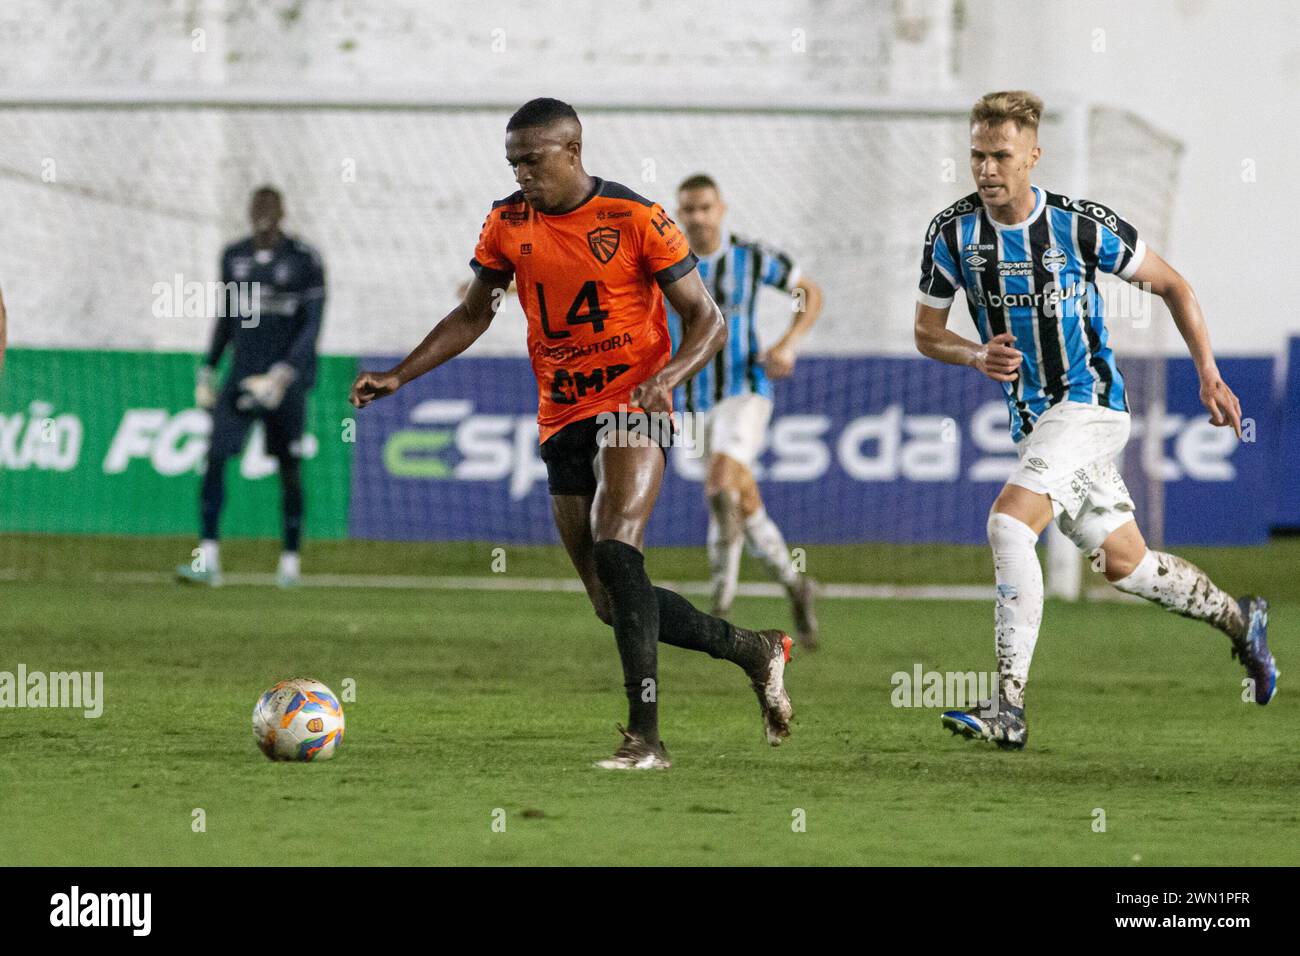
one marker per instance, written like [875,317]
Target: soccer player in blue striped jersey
[733,393]
[1027,260]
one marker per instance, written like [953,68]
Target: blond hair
[1017,106]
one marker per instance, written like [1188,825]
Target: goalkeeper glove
[205,392]
[266,391]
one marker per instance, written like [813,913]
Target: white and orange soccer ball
[298,719]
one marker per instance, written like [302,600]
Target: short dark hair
[542,111]
[699,181]
[268,189]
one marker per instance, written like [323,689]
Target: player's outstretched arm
[454,334]
[998,358]
[806,300]
[1158,277]
[704,331]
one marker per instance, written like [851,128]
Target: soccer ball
[298,719]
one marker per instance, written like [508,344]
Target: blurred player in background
[1027,259]
[272,369]
[734,393]
[593,262]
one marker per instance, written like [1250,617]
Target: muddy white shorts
[737,427]
[1071,456]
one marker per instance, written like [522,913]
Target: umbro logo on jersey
[1054,259]
[976,260]
[603,242]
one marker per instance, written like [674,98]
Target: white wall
[1224,77]
[1221,75]
[497,48]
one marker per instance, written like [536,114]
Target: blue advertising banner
[860,449]
[1286,447]
[1219,490]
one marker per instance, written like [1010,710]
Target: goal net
[116,207]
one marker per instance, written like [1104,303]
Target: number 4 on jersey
[586,298]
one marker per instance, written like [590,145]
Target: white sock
[724,544]
[1019,610]
[767,541]
[289,563]
[210,556]
[1183,588]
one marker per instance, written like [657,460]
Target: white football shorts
[737,427]
[1070,456]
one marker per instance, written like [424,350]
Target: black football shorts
[570,455]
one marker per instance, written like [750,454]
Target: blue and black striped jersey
[733,274]
[1036,279]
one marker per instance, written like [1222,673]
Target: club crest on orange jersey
[603,242]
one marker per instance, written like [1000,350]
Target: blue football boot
[1252,650]
[1006,728]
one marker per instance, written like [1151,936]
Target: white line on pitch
[923,592]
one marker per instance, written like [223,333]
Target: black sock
[681,624]
[632,604]
[291,501]
[211,495]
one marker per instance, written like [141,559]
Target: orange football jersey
[589,282]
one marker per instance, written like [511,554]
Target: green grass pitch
[475,708]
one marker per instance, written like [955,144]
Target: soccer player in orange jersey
[592,262]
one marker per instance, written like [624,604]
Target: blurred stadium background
[131,135]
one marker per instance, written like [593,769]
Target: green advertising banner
[111,443]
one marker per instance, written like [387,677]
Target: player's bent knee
[1119,563]
[1122,551]
[619,566]
[724,501]
[1114,573]
[1007,533]
[1029,507]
